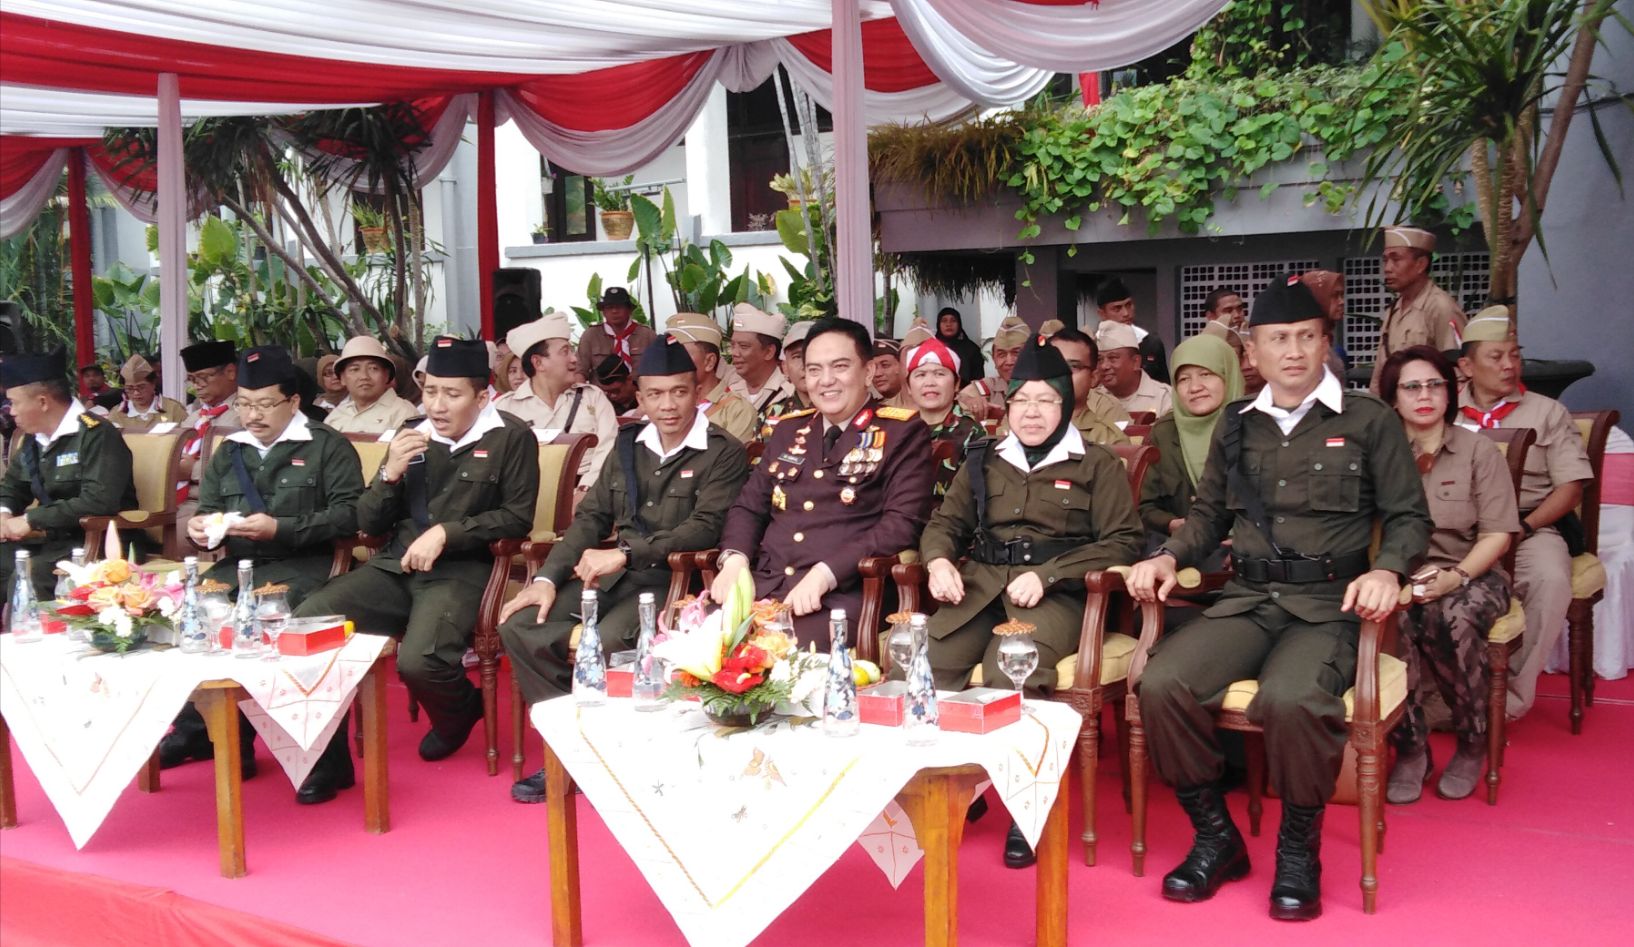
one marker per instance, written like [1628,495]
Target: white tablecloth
[730,827]
[87,722]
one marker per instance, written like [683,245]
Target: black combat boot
[1017,853]
[1217,851]
[1296,894]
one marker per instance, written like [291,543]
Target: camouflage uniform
[1444,647]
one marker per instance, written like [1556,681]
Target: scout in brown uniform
[144,408]
[619,334]
[794,363]
[1297,478]
[667,490]
[1423,313]
[757,339]
[552,400]
[212,371]
[1097,415]
[1033,514]
[724,409]
[833,486]
[1122,374]
[1206,379]
[885,375]
[1551,488]
[1463,589]
[933,377]
[371,405]
[464,477]
[983,399]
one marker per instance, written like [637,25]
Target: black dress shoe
[441,745]
[1296,894]
[177,748]
[332,773]
[247,768]
[977,809]
[1017,853]
[530,790]
[1217,854]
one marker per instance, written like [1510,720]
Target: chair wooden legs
[1369,751]
[1497,656]
[1089,750]
[1580,637]
[1255,747]
[519,730]
[1137,787]
[488,671]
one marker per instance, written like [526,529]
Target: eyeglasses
[257,407]
[1042,404]
[1414,387]
[199,378]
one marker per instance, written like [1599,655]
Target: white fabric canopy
[1085,38]
[19,208]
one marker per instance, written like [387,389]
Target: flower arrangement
[113,605]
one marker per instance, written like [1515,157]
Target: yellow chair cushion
[1116,653]
[1508,627]
[1588,576]
[1392,689]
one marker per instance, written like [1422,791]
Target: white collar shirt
[697,438]
[1013,451]
[1328,391]
[487,420]
[295,430]
[68,425]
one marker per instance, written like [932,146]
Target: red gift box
[312,635]
[882,704]
[979,710]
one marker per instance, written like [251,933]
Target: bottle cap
[588,595]
[78,551]
[647,598]
[246,563]
[190,561]
[837,614]
[22,554]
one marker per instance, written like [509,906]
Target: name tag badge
[1336,442]
[68,459]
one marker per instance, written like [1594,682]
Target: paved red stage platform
[1552,863]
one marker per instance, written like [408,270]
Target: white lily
[696,649]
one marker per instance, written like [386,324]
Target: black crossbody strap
[632,485]
[573,412]
[415,482]
[976,460]
[31,461]
[246,483]
[1231,443]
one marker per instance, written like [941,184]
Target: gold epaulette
[793,414]
[897,414]
[89,419]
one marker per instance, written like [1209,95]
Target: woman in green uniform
[1207,378]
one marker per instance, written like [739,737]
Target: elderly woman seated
[1462,588]
[1032,514]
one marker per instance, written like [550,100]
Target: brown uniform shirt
[1431,317]
[388,413]
[596,344]
[1469,493]
[1152,395]
[1557,456]
[161,411]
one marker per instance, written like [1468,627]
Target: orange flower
[112,571]
[137,600]
[105,597]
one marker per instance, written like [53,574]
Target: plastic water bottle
[647,688]
[589,662]
[919,714]
[840,718]
[190,630]
[25,608]
[246,636]
[65,582]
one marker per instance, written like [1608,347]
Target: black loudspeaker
[516,298]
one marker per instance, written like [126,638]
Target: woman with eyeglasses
[1022,522]
[1462,589]
[1207,377]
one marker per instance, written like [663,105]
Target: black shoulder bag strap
[976,460]
[632,486]
[246,483]
[573,412]
[31,462]
[1231,444]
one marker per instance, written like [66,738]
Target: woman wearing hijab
[1329,289]
[950,331]
[1206,379]
[1032,513]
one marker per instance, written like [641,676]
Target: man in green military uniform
[450,485]
[287,488]
[71,463]
[666,489]
[1296,477]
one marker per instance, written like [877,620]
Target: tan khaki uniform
[1152,395]
[597,343]
[596,415]
[1469,494]
[777,390]
[1432,318]
[388,413]
[1543,566]
[731,413]
[161,411]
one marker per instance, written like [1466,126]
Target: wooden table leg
[936,802]
[8,790]
[147,778]
[566,923]
[371,708]
[219,705]
[1052,875]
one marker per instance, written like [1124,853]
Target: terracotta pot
[617,223]
[374,239]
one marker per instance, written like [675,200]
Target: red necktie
[195,442]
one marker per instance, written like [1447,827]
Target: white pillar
[172,184]
[709,178]
[854,252]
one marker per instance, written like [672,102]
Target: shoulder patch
[89,420]
[805,412]
[897,414]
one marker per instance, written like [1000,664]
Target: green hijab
[1212,353]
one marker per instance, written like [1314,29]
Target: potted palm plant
[371,223]
[613,200]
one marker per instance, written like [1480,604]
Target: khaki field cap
[1012,332]
[917,334]
[693,327]
[1490,325]
[1050,327]
[746,318]
[1115,335]
[136,369]
[1413,237]
[797,333]
[551,325]
[363,346]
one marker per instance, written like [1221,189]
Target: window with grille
[1196,282]
[1464,275]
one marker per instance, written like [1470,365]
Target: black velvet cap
[18,370]
[665,356]
[1111,291]
[457,358]
[203,355]
[611,369]
[1285,301]
[265,366]
[1039,361]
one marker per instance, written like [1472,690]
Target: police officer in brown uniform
[1297,478]
[837,484]
[666,489]
[449,486]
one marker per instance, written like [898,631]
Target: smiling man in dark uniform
[71,462]
[836,484]
[449,485]
[1296,477]
[666,489]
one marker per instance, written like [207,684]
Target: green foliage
[130,302]
[810,290]
[1253,37]
[699,277]
[34,275]
[612,197]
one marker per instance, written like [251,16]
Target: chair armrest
[1375,637]
[128,519]
[340,562]
[910,580]
[371,541]
[874,571]
[1102,585]
[536,551]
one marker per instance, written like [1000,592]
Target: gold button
[788,570]
[817,474]
[799,537]
[808,506]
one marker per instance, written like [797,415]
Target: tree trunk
[1571,89]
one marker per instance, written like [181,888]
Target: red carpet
[1552,863]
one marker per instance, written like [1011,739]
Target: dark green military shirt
[1324,485]
[484,491]
[682,502]
[311,487]
[83,473]
[1167,492]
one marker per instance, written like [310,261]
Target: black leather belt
[1313,569]
[1020,552]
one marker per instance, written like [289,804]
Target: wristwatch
[1463,576]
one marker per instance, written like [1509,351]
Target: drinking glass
[215,608]
[1018,658]
[271,615]
[900,643]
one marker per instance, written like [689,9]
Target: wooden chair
[1373,707]
[156,463]
[1091,676]
[1588,575]
[1137,433]
[1146,418]
[1503,639]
